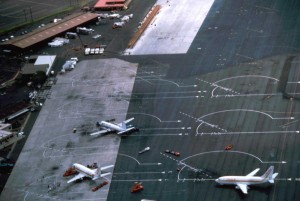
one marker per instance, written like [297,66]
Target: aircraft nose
[217,180]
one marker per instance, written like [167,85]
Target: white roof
[4,126]
[5,133]
[45,60]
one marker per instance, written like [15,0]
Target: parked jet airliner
[120,128]
[242,182]
[87,172]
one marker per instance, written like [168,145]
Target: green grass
[13,28]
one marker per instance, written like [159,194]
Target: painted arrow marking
[134,180]
[251,132]
[138,161]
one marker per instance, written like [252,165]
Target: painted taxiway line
[155,117]
[138,161]
[150,81]
[178,128]
[159,135]
[173,97]
[244,110]
[202,180]
[194,180]
[226,152]
[250,132]
[244,95]
[127,173]
[135,180]
[173,92]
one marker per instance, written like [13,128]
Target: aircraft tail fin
[123,125]
[270,175]
[98,172]
[273,177]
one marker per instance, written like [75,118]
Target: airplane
[242,182]
[87,172]
[120,128]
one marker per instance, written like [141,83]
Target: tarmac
[173,29]
[236,85]
[96,90]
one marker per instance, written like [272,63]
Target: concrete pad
[173,30]
[95,90]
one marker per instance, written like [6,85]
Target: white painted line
[155,98]
[245,95]
[134,180]
[253,132]
[238,152]
[180,128]
[157,135]
[125,173]
[138,161]
[173,92]
[155,117]
[244,110]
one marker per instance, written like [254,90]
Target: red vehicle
[229,147]
[70,171]
[175,153]
[137,187]
[99,186]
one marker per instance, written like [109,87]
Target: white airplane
[120,128]
[87,172]
[242,182]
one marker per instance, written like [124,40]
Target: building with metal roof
[39,63]
[49,31]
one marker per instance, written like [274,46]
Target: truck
[71,35]
[84,30]
[87,51]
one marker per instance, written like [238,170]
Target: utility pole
[25,15]
[31,14]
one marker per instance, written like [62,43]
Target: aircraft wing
[251,174]
[100,132]
[105,174]
[106,167]
[128,120]
[129,130]
[243,188]
[79,176]
[123,123]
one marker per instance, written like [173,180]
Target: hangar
[44,34]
